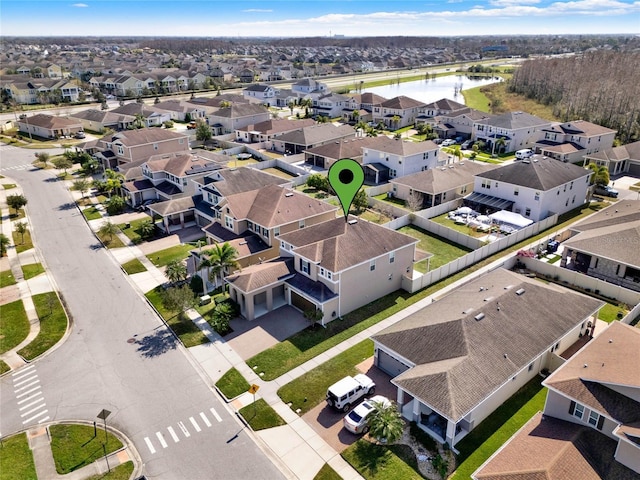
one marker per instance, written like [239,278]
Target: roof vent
[288,194]
[353,221]
[610,340]
[508,287]
[585,365]
[505,355]
[479,316]
[468,310]
[488,299]
[520,291]
[243,243]
[460,163]
[482,289]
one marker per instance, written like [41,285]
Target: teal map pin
[346,177]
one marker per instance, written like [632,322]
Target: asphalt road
[119,356]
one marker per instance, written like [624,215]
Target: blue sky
[316,18]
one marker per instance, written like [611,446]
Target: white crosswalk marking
[195,424]
[34,382]
[31,403]
[184,429]
[34,417]
[33,376]
[205,419]
[28,392]
[23,372]
[42,420]
[29,396]
[33,410]
[215,414]
[173,434]
[161,440]
[150,445]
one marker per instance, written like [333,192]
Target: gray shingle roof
[397,146]
[244,180]
[315,134]
[515,120]
[486,353]
[444,179]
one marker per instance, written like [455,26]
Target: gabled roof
[400,147]
[401,102]
[103,116]
[139,109]
[619,243]
[279,125]
[584,128]
[262,275]
[181,164]
[144,136]
[238,110]
[337,245]
[243,180]
[461,358]
[539,173]
[444,104]
[349,148]
[272,206]
[315,134]
[607,363]
[444,179]
[258,88]
[50,122]
[515,121]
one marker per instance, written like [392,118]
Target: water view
[433,89]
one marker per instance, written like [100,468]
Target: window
[304,266]
[576,409]
[392,257]
[249,225]
[301,224]
[265,232]
[228,221]
[181,141]
[276,231]
[516,192]
[596,420]
[120,150]
[536,197]
[571,186]
[372,265]
[527,212]
[530,367]
[486,183]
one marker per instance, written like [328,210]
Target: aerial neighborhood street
[338,258]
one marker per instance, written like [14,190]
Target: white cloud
[508,3]
[80,5]
[257,10]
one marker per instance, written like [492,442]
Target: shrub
[220,317]
[422,437]
[441,465]
[196,284]
[115,205]
[168,124]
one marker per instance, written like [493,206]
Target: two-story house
[133,145]
[269,129]
[519,130]
[306,86]
[458,122]
[458,359]
[297,141]
[229,119]
[329,105]
[571,141]
[397,112]
[326,155]
[534,188]
[322,267]
[384,158]
[181,110]
[590,425]
[148,115]
[264,94]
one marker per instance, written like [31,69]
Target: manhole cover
[131,340]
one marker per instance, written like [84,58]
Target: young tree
[21,228]
[42,158]
[385,423]
[360,201]
[113,181]
[178,299]
[457,152]
[415,201]
[203,132]
[314,316]
[81,185]
[176,271]
[62,163]
[108,229]
[4,243]
[16,201]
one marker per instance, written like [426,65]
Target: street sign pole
[253,389]
[103,415]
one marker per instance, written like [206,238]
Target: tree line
[601,87]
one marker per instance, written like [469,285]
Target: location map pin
[346,177]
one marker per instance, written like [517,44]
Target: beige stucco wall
[628,455]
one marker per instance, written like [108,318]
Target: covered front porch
[175,214]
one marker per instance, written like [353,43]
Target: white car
[356,421]
[448,142]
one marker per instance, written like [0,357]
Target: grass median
[380,462]
[259,415]
[308,390]
[16,459]
[53,325]
[134,266]
[75,446]
[14,325]
[7,279]
[327,473]
[232,383]
[32,270]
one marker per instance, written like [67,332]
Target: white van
[524,153]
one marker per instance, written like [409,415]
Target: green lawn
[163,257]
[32,270]
[278,172]
[442,249]
[391,200]
[374,217]
[327,473]
[14,325]
[6,278]
[308,390]
[91,213]
[75,446]
[121,472]
[378,462]
[132,232]
[609,312]
[187,331]
[22,243]
[16,459]
[232,383]
[4,368]
[9,186]
[110,241]
[53,325]
[133,266]
[498,427]
[16,216]
[260,415]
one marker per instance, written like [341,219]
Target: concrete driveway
[328,423]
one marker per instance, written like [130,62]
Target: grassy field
[110,241]
[232,383]
[32,270]
[16,459]
[378,462]
[476,98]
[134,266]
[75,446]
[308,390]
[53,325]
[391,200]
[609,312]
[163,257]
[442,249]
[22,243]
[14,325]
[132,232]
[327,473]
[260,415]
[498,427]
[6,278]
[91,213]
[187,331]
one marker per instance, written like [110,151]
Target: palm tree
[355,115]
[500,143]
[600,174]
[81,185]
[385,423]
[221,259]
[139,120]
[113,182]
[176,271]
[395,120]
[457,152]
[108,229]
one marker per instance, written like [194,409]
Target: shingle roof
[238,110]
[582,127]
[103,116]
[542,174]
[172,206]
[402,102]
[337,245]
[348,148]
[144,136]
[261,275]
[550,449]
[611,358]
[444,104]
[401,147]
[620,243]
[460,360]
[181,164]
[444,179]
[243,180]
[515,120]
[315,134]
[50,122]
[279,125]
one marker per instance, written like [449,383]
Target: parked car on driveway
[605,190]
[356,420]
[344,393]
[466,145]
[448,142]
[192,126]
[79,135]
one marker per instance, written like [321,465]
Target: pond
[434,89]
